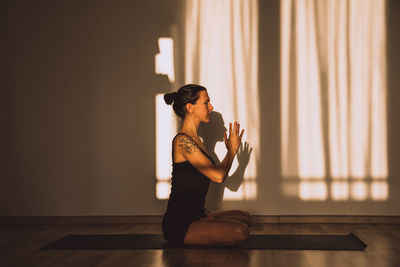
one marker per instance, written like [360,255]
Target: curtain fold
[333,89]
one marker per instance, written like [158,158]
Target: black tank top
[188,190]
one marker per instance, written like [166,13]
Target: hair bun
[169,98]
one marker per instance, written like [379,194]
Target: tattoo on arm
[188,144]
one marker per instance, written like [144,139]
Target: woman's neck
[190,126]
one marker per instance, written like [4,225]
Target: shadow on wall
[211,133]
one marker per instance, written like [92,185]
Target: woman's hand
[233,142]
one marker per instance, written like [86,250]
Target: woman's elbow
[220,178]
[217,176]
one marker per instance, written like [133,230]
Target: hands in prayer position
[233,142]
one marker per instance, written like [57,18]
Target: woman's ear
[189,108]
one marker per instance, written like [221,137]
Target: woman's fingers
[241,134]
[235,130]
[234,139]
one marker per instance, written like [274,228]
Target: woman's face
[203,107]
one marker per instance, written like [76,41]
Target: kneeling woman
[185,221]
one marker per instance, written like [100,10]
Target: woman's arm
[191,151]
[226,164]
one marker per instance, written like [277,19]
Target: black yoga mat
[144,241]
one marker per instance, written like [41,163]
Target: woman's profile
[185,220]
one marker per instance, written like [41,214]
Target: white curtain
[333,89]
[221,54]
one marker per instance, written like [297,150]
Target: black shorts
[174,227]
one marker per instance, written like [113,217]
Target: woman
[186,221]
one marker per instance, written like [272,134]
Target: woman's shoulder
[180,143]
[189,144]
[180,134]
[185,141]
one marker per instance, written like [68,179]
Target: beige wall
[77,111]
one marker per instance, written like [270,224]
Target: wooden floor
[20,246]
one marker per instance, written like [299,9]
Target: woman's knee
[224,232]
[241,233]
[233,233]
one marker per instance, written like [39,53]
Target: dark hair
[188,93]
